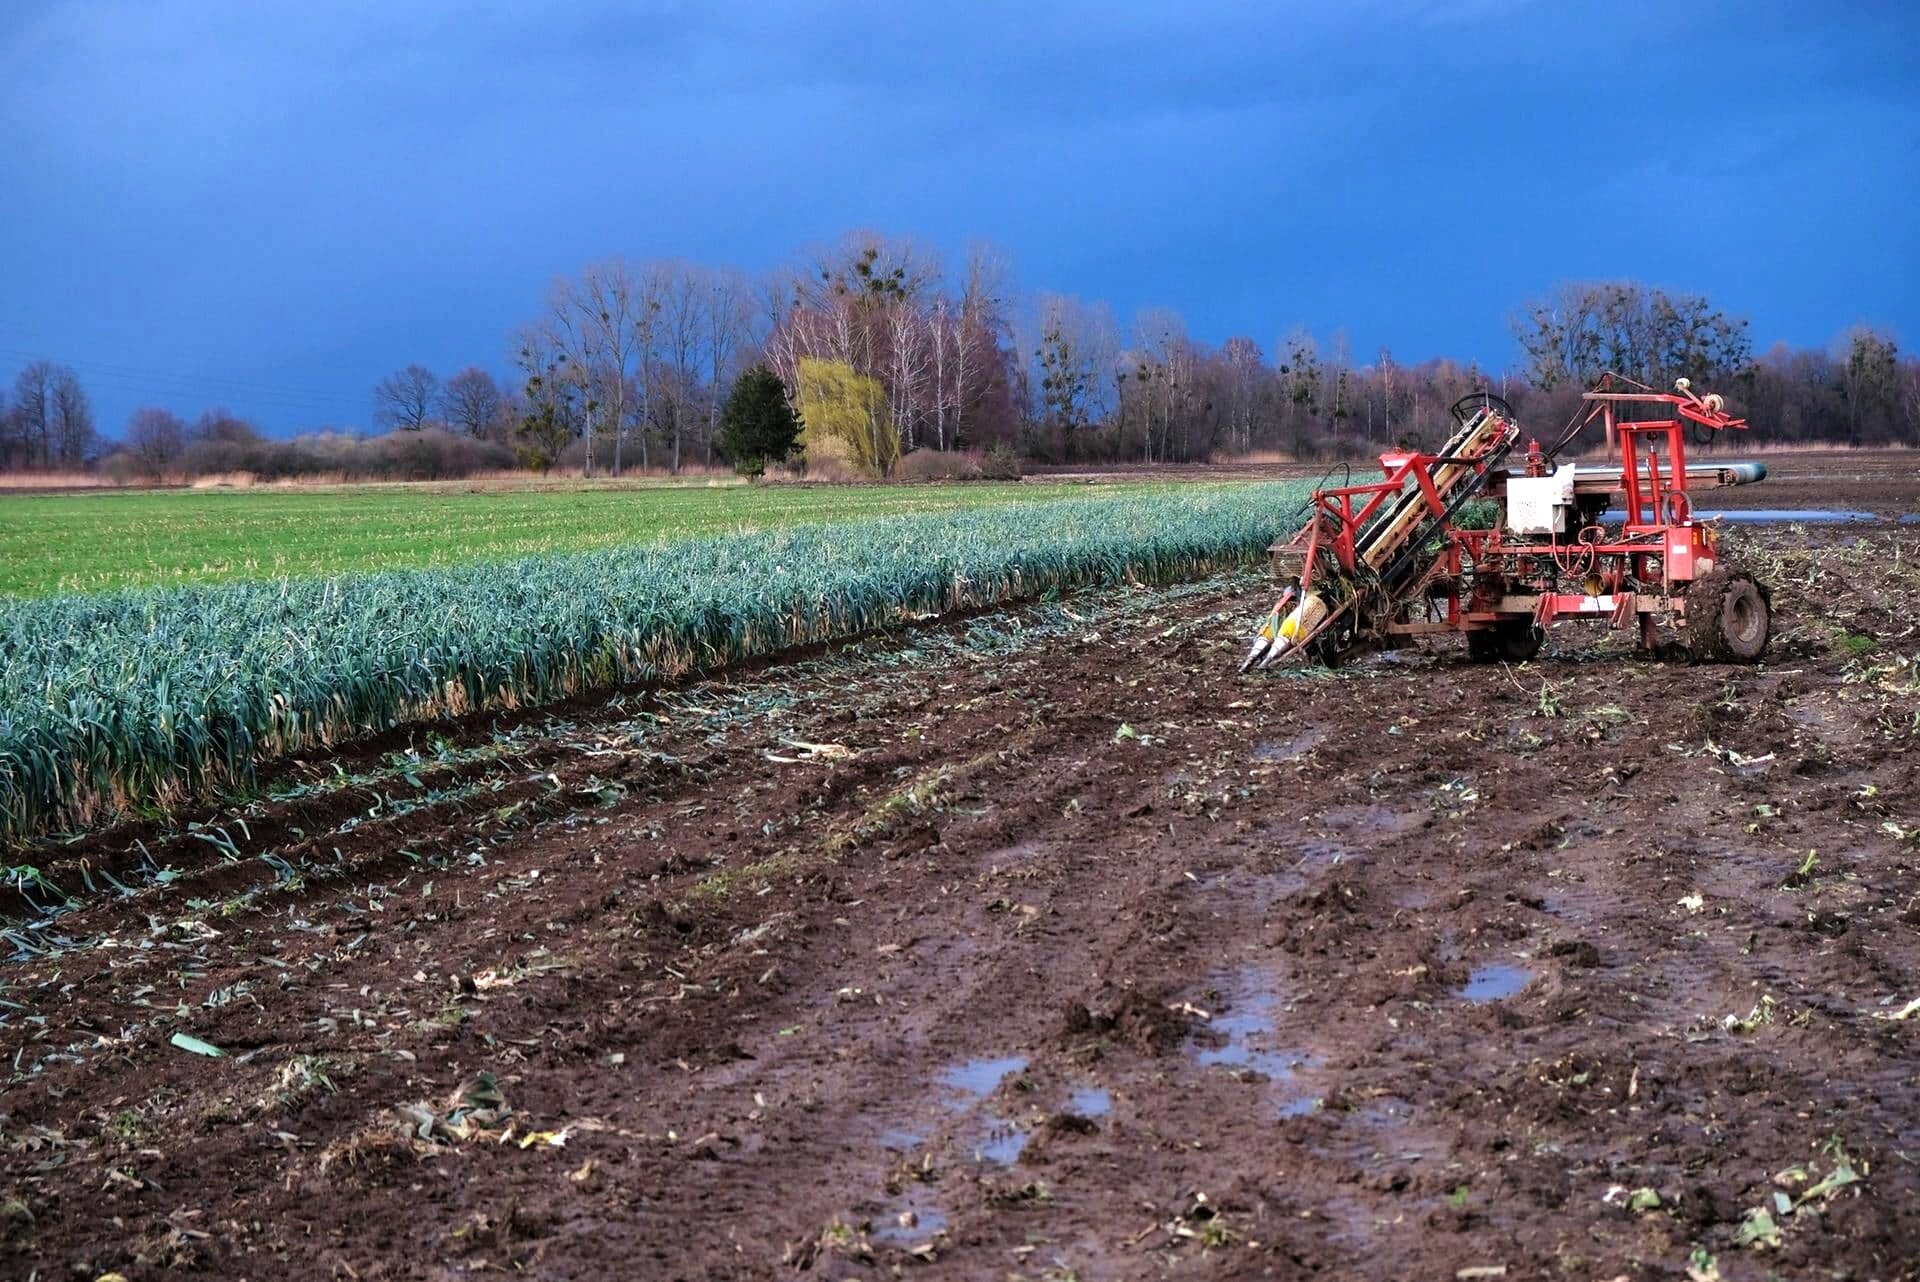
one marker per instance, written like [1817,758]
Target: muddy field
[1033,945]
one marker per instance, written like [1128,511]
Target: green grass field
[56,544]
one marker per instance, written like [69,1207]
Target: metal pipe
[1743,472]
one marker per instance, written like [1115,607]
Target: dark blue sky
[272,205]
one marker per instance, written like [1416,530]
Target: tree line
[883,351]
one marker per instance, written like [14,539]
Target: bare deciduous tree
[1162,365]
[728,322]
[1241,387]
[1075,350]
[73,422]
[682,304]
[33,412]
[53,416]
[549,414]
[943,330]
[1870,382]
[906,360]
[407,400]
[156,438]
[474,402]
[977,330]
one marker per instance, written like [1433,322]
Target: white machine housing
[1540,504]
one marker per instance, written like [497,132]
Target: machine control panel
[1541,504]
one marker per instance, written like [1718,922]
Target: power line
[123,368]
[207,388]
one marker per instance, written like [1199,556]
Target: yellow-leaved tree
[843,417]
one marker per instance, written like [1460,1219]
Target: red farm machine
[1413,554]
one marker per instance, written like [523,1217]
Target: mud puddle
[975,1079]
[1495,981]
[1241,1038]
[1001,1142]
[993,1139]
[909,1221]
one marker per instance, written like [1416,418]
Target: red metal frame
[1658,526]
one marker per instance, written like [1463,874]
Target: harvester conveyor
[1395,519]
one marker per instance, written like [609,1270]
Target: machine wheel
[1510,641]
[1520,640]
[1729,618]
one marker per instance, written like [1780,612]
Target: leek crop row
[147,697]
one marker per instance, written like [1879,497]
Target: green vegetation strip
[53,544]
[141,698]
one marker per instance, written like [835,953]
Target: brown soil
[1038,945]
[1884,482]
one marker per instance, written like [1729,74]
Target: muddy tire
[1511,641]
[1729,618]
[1519,641]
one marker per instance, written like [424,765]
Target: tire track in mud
[1081,954]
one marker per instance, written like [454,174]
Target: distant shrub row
[429,454]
